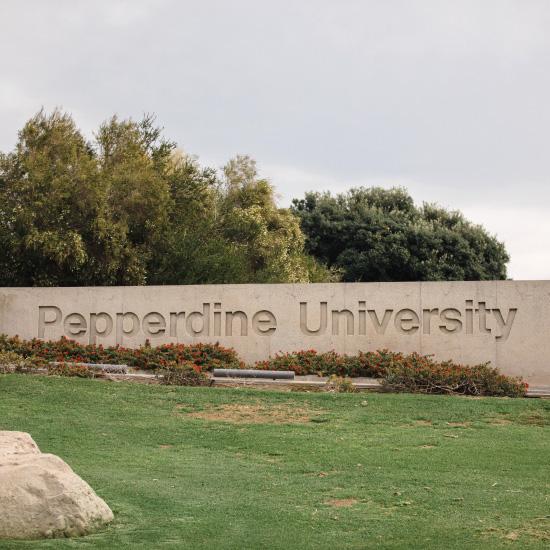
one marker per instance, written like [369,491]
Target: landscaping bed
[189,364]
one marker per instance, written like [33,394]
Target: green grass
[423,471]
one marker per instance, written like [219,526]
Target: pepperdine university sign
[504,322]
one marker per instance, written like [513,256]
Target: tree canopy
[375,234]
[129,208]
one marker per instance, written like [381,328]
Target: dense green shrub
[182,374]
[207,356]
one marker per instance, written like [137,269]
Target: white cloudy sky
[448,98]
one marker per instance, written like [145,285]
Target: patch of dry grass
[537,529]
[256,413]
[341,502]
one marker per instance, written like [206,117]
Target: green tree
[50,196]
[374,234]
[130,208]
[269,237]
[229,230]
[195,250]
[133,161]
[80,213]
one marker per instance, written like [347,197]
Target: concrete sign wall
[505,322]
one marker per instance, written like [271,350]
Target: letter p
[43,321]
[95,331]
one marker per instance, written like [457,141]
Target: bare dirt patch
[536,529]
[256,413]
[341,502]
[500,422]
[527,418]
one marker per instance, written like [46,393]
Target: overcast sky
[448,98]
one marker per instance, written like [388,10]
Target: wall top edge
[267,285]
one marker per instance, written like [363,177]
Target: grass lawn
[293,470]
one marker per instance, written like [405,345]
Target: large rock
[41,497]
[15,443]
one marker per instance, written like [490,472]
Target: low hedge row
[206,356]
[369,363]
[186,364]
[402,372]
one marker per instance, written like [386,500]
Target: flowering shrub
[207,356]
[182,374]
[401,372]
[369,363]
[187,363]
